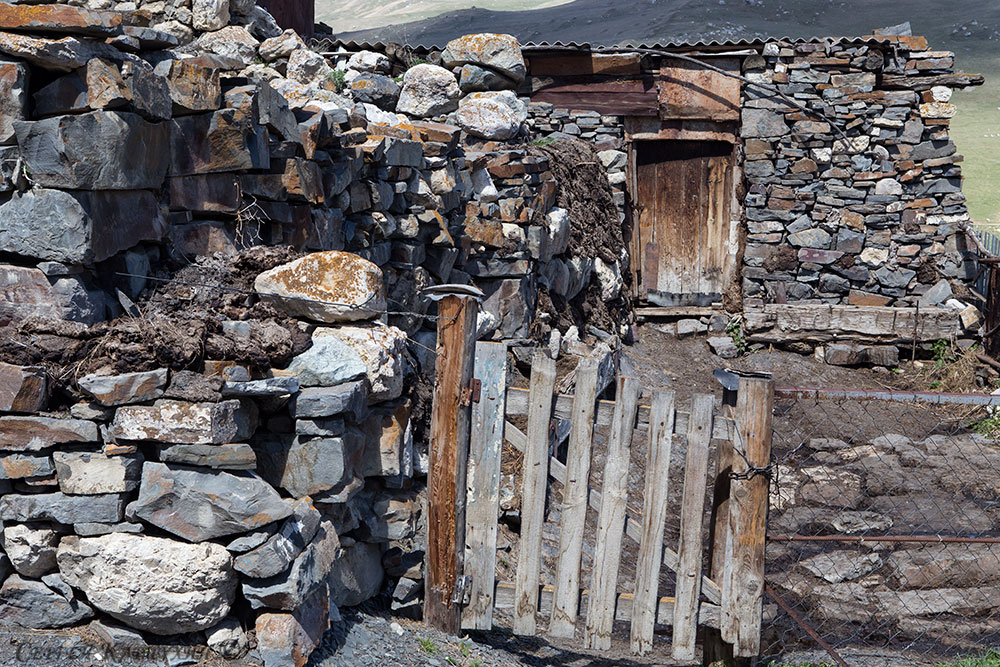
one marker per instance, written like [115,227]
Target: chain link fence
[884,525]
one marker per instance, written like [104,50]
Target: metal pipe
[885,538]
[941,398]
[805,626]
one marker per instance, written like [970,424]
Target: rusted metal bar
[805,626]
[935,539]
[940,398]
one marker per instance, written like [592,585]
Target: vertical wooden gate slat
[699,435]
[611,521]
[743,578]
[485,443]
[654,513]
[574,507]
[535,478]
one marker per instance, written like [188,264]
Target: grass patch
[976,131]
[989,658]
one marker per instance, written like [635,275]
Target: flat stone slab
[199,505]
[179,422]
[86,473]
[22,388]
[100,150]
[277,386]
[219,141]
[348,398]
[78,227]
[112,390]
[59,18]
[63,508]
[32,604]
[63,54]
[20,466]
[219,457]
[23,434]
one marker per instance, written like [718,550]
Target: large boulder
[501,53]
[382,349]
[151,583]
[428,90]
[201,504]
[78,227]
[331,286]
[488,119]
[100,150]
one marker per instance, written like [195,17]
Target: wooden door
[683,191]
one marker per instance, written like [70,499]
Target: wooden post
[535,476]
[743,576]
[449,450]
[611,519]
[483,492]
[574,507]
[715,651]
[689,554]
[654,513]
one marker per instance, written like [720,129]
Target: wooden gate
[682,197]
[725,599]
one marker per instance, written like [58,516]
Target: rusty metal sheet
[299,15]
[583,63]
[688,91]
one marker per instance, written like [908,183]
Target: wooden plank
[716,652]
[823,323]
[449,448]
[692,520]
[743,576]
[708,614]
[610,95]
[483,488]
[611,518]
[650,267]
[517,404]
[645,128]
[689,91]
[535,478]
[574,507]
[657,478]
[632,526]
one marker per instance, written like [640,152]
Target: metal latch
[463,590]
[472,393]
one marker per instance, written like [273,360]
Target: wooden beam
[611,518]
[574,507]
[449,450]
[824,323]
[535,477]
[743,576]
[483,489]
[517,404]
[689,549]
[654,513]
[708,614]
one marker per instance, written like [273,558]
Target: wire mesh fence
[884,524]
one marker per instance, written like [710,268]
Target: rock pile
[220,455]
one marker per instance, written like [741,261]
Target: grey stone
[852,522]
[327,363]
[113,390]
[32,604]
[314,427]
[488,118]
[282,45]
[199,504]
[153,584]
[473,78]
[232,42]
[287,639]
[228,639]
[21,466]
[357,576]
[308,573]
[403,152]
[86,473]
[350,398]
[690,327]
[89,529]
[936,601]
[31,548]
[724,347]
[762,123]
[428,90]
[218,457]
[304,466]
[115,635]
[939,565]
[810,238]
[276,386]
[894,277]
[245,543]
[277,553]
[78,227]
[63,508]
[194,387]
[101,150]
[376,89]
[939,292]
[842,565]
[501,53]
[34,433]
[13,98]
[181,422]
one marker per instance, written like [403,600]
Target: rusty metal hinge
[472,393]
[463,591]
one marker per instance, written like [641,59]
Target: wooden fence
[725,600]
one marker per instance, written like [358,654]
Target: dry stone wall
[212,336]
